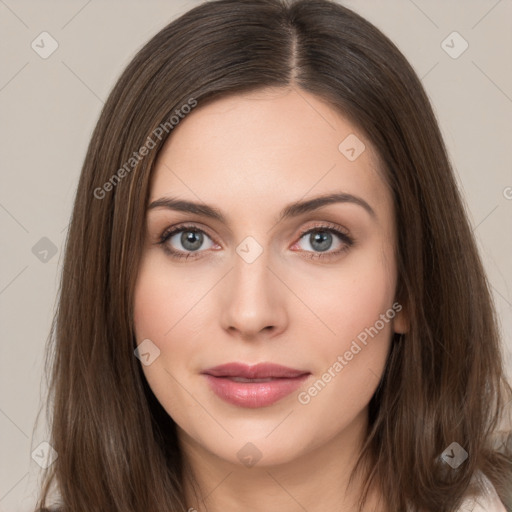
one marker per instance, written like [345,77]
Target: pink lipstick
[254,386]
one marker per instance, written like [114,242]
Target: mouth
[254,386]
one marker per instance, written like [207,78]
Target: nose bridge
[252,299]
[251,271]
[251,277]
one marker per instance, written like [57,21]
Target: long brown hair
[444,381]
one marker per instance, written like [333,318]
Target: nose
[254,300]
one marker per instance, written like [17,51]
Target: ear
[401,323]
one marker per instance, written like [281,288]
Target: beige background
[48,109]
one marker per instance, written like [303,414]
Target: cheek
[350,299]
[170,310]
[158,310]
[356,307]
[163,299]
[350,364]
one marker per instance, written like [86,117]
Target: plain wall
[49,107]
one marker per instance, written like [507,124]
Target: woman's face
[252,288]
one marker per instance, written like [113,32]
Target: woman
[271,297]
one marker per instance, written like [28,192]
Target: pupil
[324,240]
[193,238]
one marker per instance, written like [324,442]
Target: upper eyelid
[177,228]
[327,226]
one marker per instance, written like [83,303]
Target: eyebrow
[292,210]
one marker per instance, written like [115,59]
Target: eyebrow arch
[292,210]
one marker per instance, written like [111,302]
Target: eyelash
[347,240]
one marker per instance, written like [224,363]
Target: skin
[249,156]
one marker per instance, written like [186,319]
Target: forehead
[266,148]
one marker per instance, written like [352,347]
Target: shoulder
[486,501]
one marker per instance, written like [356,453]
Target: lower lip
[253,394]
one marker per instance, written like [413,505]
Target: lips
[254,386]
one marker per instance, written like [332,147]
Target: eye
[190,238]
[321,238]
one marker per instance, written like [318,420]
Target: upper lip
[257,371]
